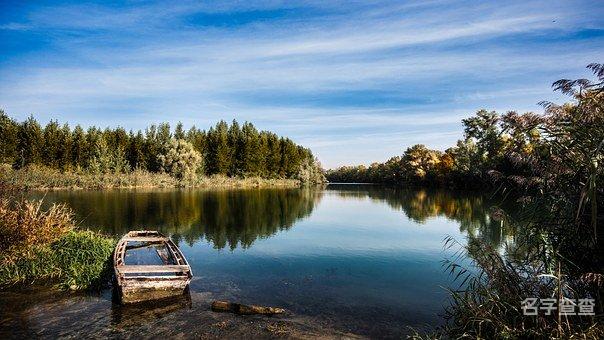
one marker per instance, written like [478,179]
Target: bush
[78,260]
[39,245]
[23,225]
[181,160]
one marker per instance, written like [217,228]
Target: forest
[230,150]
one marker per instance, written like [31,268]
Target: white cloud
[399,69]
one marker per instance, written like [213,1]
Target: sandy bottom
[49,314]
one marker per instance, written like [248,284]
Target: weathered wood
[151,269]
[141,282]
[145,239]
[237,308]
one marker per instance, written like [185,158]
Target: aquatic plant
[23,225]
[41,245]
[77,260]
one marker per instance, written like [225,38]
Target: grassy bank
[40,177]
[44,247]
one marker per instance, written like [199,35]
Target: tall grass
[24,225]
[41,177]
[77,260]
[42,246]
[487,302]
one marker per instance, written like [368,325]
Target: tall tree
[30,143]
[8,142]
[78,148]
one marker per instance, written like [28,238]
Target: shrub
[78,260]
[23,224]
[181,160]
[40,245]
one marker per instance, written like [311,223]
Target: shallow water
[356,258]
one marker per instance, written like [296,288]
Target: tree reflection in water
[470,209]
[237,218]
[225,218]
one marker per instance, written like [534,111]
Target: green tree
[136,151]
[237,148]
[179,132]
[78,148]
[30,143]
[8,143]
[251,146]
[63,157]
[181,160]
[50,154]
[219,155]
[484,128]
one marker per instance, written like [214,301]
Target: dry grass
[42,246]
[40,177]
[23,225]
[487,303]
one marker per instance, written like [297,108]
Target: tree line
[494,146]
[231,150]
[492,141]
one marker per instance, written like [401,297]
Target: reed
[487,302]
[24,224]
[41,177]
[42,246]
[77,260]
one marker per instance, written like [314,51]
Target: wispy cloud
[357,82]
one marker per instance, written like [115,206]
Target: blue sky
[357,82]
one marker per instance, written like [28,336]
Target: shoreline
[43,178]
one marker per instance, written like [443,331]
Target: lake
[360,259]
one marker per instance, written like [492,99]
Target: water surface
[358,258]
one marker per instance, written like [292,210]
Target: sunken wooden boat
[149,266]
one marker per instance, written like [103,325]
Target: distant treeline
[231,150]
[493,143]
[517,147]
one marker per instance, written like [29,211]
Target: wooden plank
[151,269]
[145,239]
[157,277]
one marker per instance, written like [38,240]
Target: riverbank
[188,317]
[44,178]
[45,247]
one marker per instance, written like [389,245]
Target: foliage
[550,165]
[487,302]
[180,159]
[77,260]
[311,172]
[237,151]
[554,168]
[23,225]
[38,245]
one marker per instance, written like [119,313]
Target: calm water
[360,258]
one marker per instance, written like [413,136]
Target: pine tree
[30,143]
[219,158]
[198,138]
[136,151]
[273,158]
[237,149]
[63,157]
[78,148]
[179,132]
[51,144]
[8,141]
[251,159]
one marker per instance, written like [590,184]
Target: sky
[357,82]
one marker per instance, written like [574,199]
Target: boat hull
[137,290]
[144,282]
